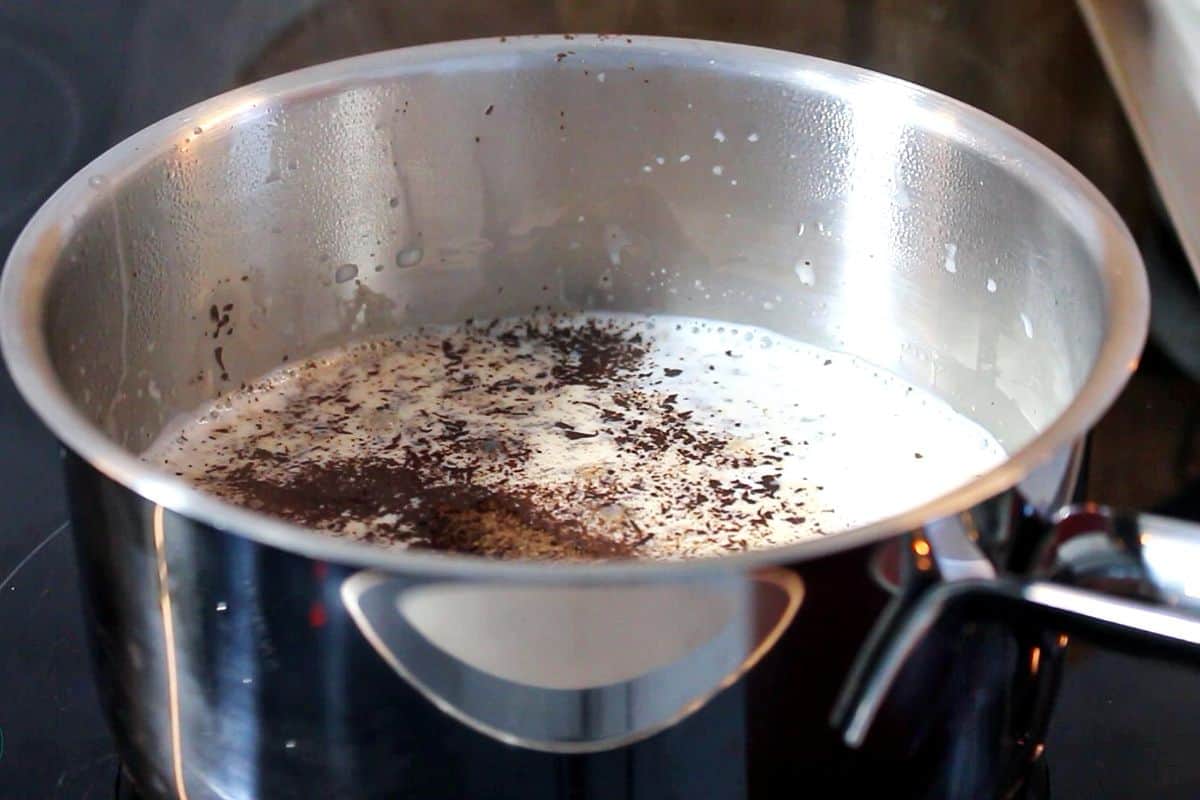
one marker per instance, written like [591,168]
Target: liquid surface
[584,435]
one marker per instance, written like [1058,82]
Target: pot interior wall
[850,212]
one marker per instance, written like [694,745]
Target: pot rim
[30,265]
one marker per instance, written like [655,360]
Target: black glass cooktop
[1124,728]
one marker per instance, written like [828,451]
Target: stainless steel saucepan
[240,656]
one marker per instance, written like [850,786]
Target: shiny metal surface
[244,657]
[1030,63]
[1116,622]
[1103,556]
[604,666]
[232,669]
[905,204]
[1120,552]
[1151,49]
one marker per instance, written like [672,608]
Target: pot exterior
[231,669]
[484,179]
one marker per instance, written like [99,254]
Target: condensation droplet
[409,257]
[1025,321]
[345,273]
[96,181]
[719,135]
[753,137]
[950,263]
[718,169]
[615,240]
[647,168]
[683,159]
[991,285]
[660,160]
[197,130]
[805,273]
[600,77]
[222,606]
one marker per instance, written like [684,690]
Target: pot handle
[1129,581]
[572,668]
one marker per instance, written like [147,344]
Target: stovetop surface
[1124,727]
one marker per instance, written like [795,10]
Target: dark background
[77,77]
